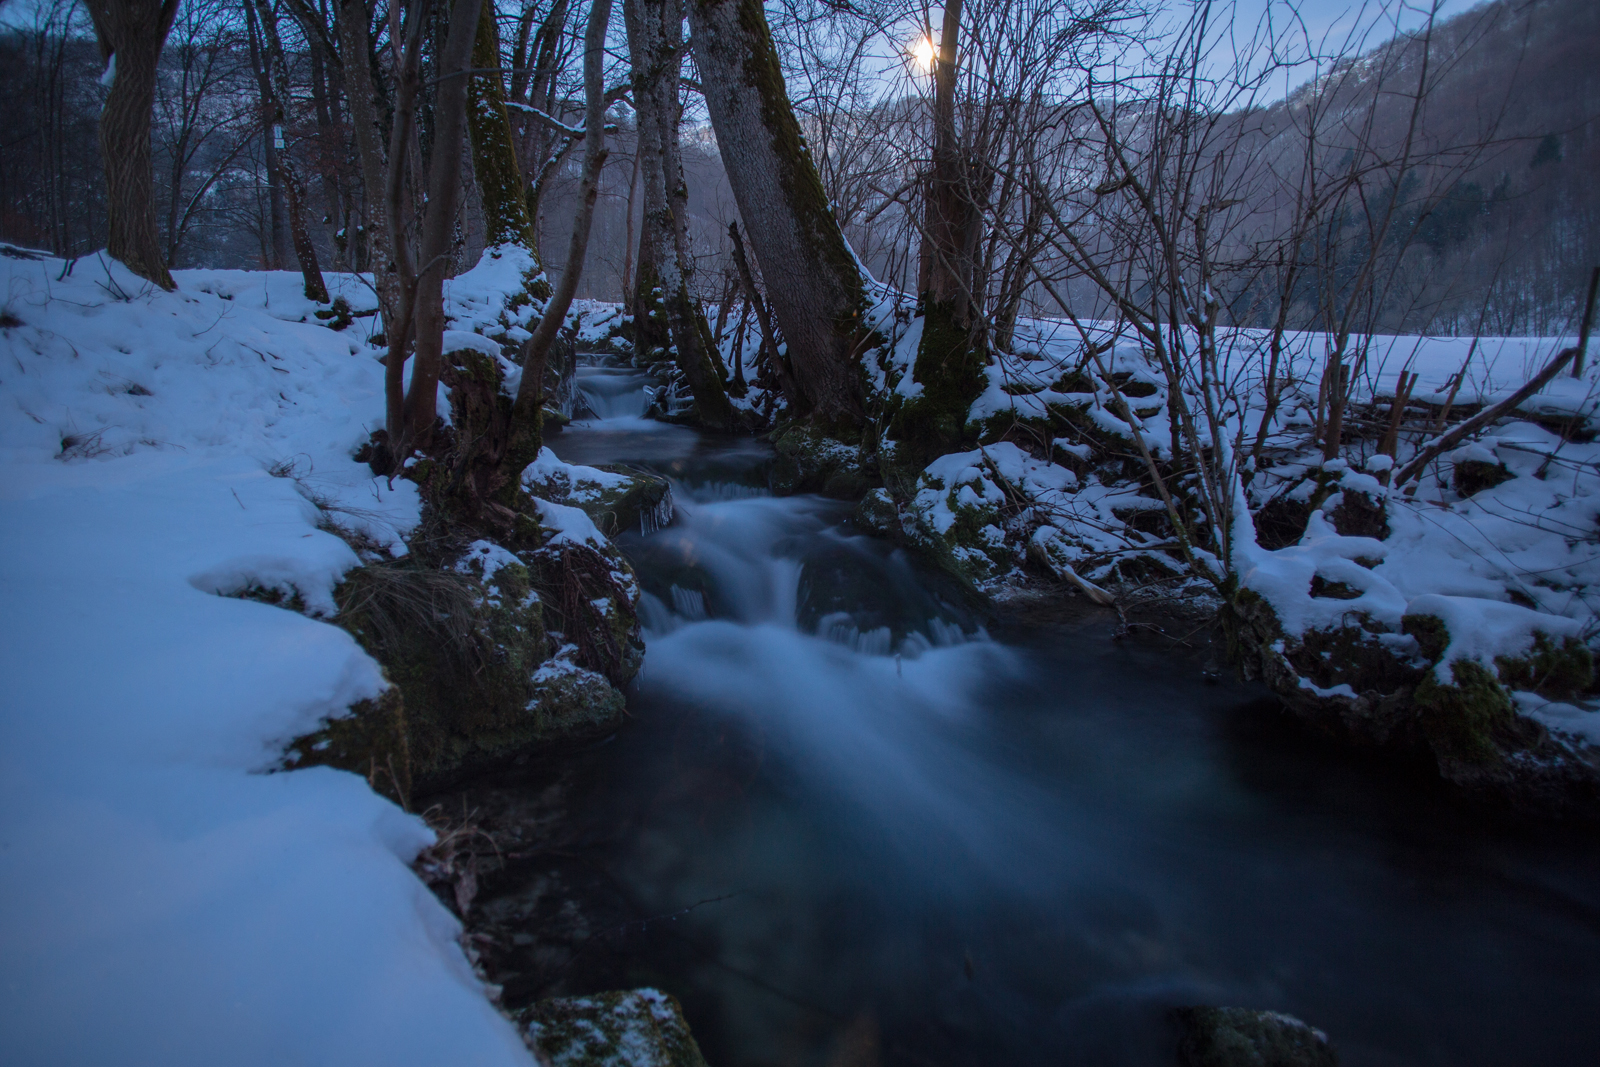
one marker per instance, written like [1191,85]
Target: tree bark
[816,288]
[276,86]
[438,221]
[525,433]
[396,185]
[131,33]
[655,45]
[494,158]
[361,95]
[769,343]
[949,365]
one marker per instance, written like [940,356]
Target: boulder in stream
[629,1028]
[1243,1037]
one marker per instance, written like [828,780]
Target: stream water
[851,823]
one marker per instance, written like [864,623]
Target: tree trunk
[438,221]
[494,159]
[655,45]
[276,87]
[131,33]
[508,455]
[816,288]
[769,343]
[361,94]
[628,248]
[949,364]
[399,330]
[277,243]
[330,132]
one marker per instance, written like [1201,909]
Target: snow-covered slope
[163,899]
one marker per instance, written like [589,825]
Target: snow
[1483,629]
[466,341]
[569,525]
[570,481]
[1569,719]
[168,900]
[485,558]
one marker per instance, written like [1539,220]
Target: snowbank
[166,900]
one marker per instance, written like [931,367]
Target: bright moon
[923,52]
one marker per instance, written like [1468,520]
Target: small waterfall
[611,393]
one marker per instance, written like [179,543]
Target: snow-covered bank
[162,900]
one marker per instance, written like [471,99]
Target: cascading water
[847,825]
[611,393]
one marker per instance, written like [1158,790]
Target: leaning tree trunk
[494,158]
[274,103]
[949,365]
[815,286]
[131,33]
[506,434]
[438,222]
[655,45]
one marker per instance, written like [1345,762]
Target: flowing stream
[854,822]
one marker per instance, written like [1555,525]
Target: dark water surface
[850,825]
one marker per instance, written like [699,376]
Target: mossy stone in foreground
[629,1028]
[1241,1037]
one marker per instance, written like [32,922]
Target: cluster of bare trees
[1092,160]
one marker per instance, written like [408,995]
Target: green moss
[1240,1037]
[1559,672]
[1470,476]
[809,460]
[337,315]
[1460,719]
[494,159]
[642,1026]
[371,740]
[1074,381]
[949,367]
[974,543]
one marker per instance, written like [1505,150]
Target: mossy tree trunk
[815,287]
[950,357]
[651,337]
[655,45]
[494,158]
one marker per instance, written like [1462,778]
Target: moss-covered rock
[1462,717]
[616,498]
[482,675]
[1469,476]
[808,460]
[1556,671]
[1354,680]
[1398,691]
[1360,514]
[1242,1037]
[632,1028]
[957,512]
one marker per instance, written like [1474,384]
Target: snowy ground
[164,899]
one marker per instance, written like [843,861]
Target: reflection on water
[879,835]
